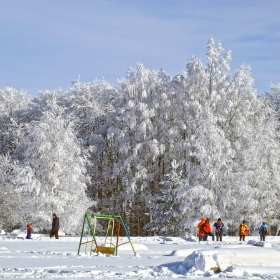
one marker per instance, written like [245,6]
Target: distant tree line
[160,151]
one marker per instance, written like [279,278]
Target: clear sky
[46,44]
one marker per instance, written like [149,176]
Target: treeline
[160,151]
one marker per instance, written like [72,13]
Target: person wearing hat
[243,231]
[200,231]
[207,230]
[263,231]
[219,229]
[55,227]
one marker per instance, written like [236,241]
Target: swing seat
[106,250]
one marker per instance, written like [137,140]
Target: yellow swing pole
[112,232]
[94,219]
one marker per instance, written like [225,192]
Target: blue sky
[46,44]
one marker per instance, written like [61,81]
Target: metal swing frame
[90,219]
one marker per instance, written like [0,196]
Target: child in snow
[263,231]
[219,229]
[29,231]
[243,231]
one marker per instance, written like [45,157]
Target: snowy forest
[161,151]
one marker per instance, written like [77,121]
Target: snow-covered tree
[55,156]
[157,150]
[166,205]
[13,104]
[215,121]
[274,97]
[18,187]
[137,137]
[92,104]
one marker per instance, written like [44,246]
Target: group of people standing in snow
[204,230]
[54,230]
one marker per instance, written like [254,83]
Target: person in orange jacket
[207,230]
[200,230]
[243,231]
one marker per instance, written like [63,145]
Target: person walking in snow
[55,226]
[29,231]
[207,230]
[243,231]
[219,229]
[263,231]
[200,229]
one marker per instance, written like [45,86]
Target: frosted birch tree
[166,205]
[18,186]
[273,97]
[92,104]
[13,104]
[140,138]
[55,156]
[216,121]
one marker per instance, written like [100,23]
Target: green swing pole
[91,231]
[127,234]
[82,235]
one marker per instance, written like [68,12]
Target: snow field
[157,258]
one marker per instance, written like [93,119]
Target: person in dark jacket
[219,227]
[29,231]
[55,226]
[263,231]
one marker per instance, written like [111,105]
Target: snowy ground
[156,258]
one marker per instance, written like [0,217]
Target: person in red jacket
[243,231]
[200,231]
[207,230]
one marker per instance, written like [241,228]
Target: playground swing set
[111,242]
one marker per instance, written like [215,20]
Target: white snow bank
[137,247]
[18,231]
[260,243]
[176,240]
[205,260]
[181,252]
[263,244]
[236,261]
